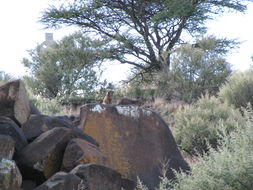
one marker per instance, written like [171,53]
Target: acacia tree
[195,70]
[142,33]
[65,68]
[201,68]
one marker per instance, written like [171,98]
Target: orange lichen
[51,164]
[101,127]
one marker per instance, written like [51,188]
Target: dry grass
[166,109]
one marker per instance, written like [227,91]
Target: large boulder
[98,177]
[33,108]
[71,119]
[79,151]
[10,177]
[38,124]
[14,102]
[45,153]
[128,184]
[9,127]
[28,185]
[136,141]
[7,147]
[63,181]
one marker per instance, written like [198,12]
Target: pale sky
[20,31]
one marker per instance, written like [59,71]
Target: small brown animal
[108,97]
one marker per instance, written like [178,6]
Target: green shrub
[77,100]
[229,168]
[140,185]
[199,125]
[5,77]
[136,89]
[47,106]
[166,109]
[238,90]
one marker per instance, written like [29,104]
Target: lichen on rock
[98,108]
[132,111]
[10,177]
[129,111]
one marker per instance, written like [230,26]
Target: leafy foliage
[200,125]
[49,107]
[140,185]
[147,31]
[46,106]
[238,90]
[5,77]
[65,69]
[137,89]
[228,168]
[196,69]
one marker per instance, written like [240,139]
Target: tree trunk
[168,62]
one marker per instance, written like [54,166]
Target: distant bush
[47,106]
[5,77]
[138,90]
[199,125]
[238,90]
[166,109]
[195,70]
[229,168]
[77,100]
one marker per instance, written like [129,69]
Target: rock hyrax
[108,97]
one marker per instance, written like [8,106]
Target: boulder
[33,108]
[67,118]
[30,176]
[7,147]
[9,127]
[98,177]
[38,124]
[28,185]
[10,177]
[79,151]
[45,153]
[14,102]
[63,181]
[128,184]
[135,141]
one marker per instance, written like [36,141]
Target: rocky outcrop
[63,181]
[14,102]
[38,124]
[28,185]
[45,153]
[98,177]
[7,147]
[79,151]
[112,145]
[33,108]
[9,127]
[135,141]
[10,177]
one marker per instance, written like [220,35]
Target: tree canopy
[142,33]
[195,70]
[201,68]
[65,68]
